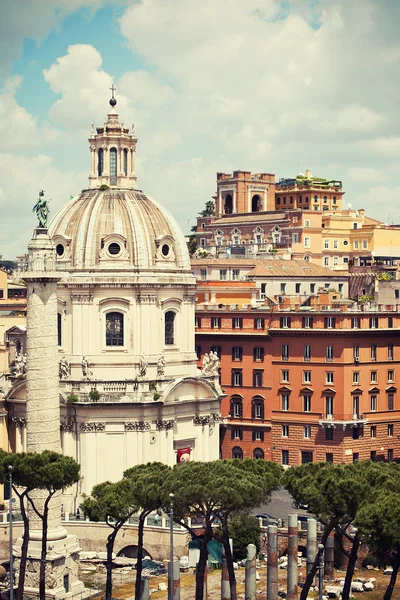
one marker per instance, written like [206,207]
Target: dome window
[113,166]
[60,250]
[114,249]
[100,163]
[165,250]
[125,161]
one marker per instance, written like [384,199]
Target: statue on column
[42,209]
[63,368]
[161,366]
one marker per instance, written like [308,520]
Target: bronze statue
[42,209]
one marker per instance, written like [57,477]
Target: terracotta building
[306,380]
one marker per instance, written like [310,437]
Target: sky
[211,86]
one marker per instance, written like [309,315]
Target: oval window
[165,250]
[114,248]
[60,249]
[345,243]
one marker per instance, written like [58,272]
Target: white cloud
[23,18]
[18,128]
[365,174]
[383,203]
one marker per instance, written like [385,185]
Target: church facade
[129,387]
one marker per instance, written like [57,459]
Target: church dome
[116,229]
[112,225]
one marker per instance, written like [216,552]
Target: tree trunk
[110,548]
[229,561]
[350,568]
[139,560]
[201,566]
[313,571]
[393,577]
[43,553]
[24,547]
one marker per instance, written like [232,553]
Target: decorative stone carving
[137,426]
[90,427]
[142,367]
[81,298]
[210,364]
[216,417]
[20,364]
[147,299]
[19,422]
[63,368]
[166,424]
[201,420]
[66,425]
[161,366]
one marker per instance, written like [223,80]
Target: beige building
[129,386]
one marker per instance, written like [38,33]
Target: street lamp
[11,534]
[171,548]
[320,551]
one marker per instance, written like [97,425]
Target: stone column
[272,563]
[292,569]
[176,586]
[250,577]
[329,556]
[225,585]
[43,420]
[144,589]
[311,542]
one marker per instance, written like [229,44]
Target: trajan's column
[43,413]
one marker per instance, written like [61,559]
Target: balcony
[338,419]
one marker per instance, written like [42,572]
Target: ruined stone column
[225,585]
[176,588]
[250,576]
[329,556]
[292,569]
[272,563]
[144,589]
[311,543]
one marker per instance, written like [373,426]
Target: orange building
[312,380]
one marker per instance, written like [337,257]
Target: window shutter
[240,353]
[232,434]
[334,322]
[262,410]
[233,352]
[254,353]
[240,434]
[262,436]
[253,410]
[281,322]
[254,436]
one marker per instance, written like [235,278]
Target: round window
[60,249]
[346,243]
[165,250]
[114,248]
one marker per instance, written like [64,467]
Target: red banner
[183,455]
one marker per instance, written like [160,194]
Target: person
[78,514]
[42,209]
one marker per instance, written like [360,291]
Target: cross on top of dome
[113,101]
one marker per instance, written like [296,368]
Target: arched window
[113,166]
[237,452]
[256,203]
[258,453]
[257,408]
[169,328]
[125,161]
[228,206]
[100,162]
[236,407]
[114,329]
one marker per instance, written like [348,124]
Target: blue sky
[211,86]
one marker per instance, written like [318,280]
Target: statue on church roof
[42,209]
